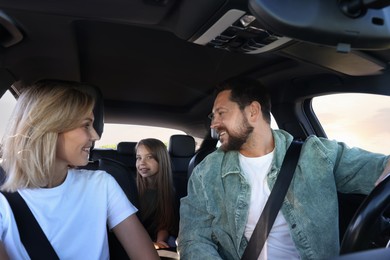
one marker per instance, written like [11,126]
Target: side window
[7,104]
[359,120]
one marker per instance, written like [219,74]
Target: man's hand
[162,236]
[160,245]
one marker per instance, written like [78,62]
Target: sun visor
[331,23]
[9,32]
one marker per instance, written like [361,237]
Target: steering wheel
[370,222]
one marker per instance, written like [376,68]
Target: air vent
[237,31]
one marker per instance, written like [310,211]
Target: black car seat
[126,154]
[113,167]
[181,148]
[123,176]
[208,146]
[99,153]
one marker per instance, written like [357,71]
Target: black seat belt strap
[31,234]
[274,203]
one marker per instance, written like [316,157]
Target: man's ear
[254,110]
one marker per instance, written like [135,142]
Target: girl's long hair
[165,208]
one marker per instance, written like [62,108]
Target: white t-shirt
[73,215]
[279,244]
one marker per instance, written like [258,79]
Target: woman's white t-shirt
[74,215]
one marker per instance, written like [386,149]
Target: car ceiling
[142,56]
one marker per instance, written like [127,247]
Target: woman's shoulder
[93,181]
[90,175]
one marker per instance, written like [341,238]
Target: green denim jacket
[213,215]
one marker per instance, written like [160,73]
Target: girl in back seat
[158,207]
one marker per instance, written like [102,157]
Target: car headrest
[126,148]
[181,146]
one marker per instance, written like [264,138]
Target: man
[228,189]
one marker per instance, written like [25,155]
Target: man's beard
[235,141]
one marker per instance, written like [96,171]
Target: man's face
[230,123]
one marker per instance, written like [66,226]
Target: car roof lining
[127,58]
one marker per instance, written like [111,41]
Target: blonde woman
[51,132]
[158,207]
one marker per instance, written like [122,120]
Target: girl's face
[73,146]
[146,164]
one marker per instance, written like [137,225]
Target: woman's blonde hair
[43,110]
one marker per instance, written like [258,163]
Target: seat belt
[274,203]
[31,234]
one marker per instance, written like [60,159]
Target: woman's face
[146,164]
[73,146]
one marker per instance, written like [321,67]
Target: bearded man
[228,190]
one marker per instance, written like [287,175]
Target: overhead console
[286,27]
[239,31]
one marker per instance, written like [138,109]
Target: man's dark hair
[246,90]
